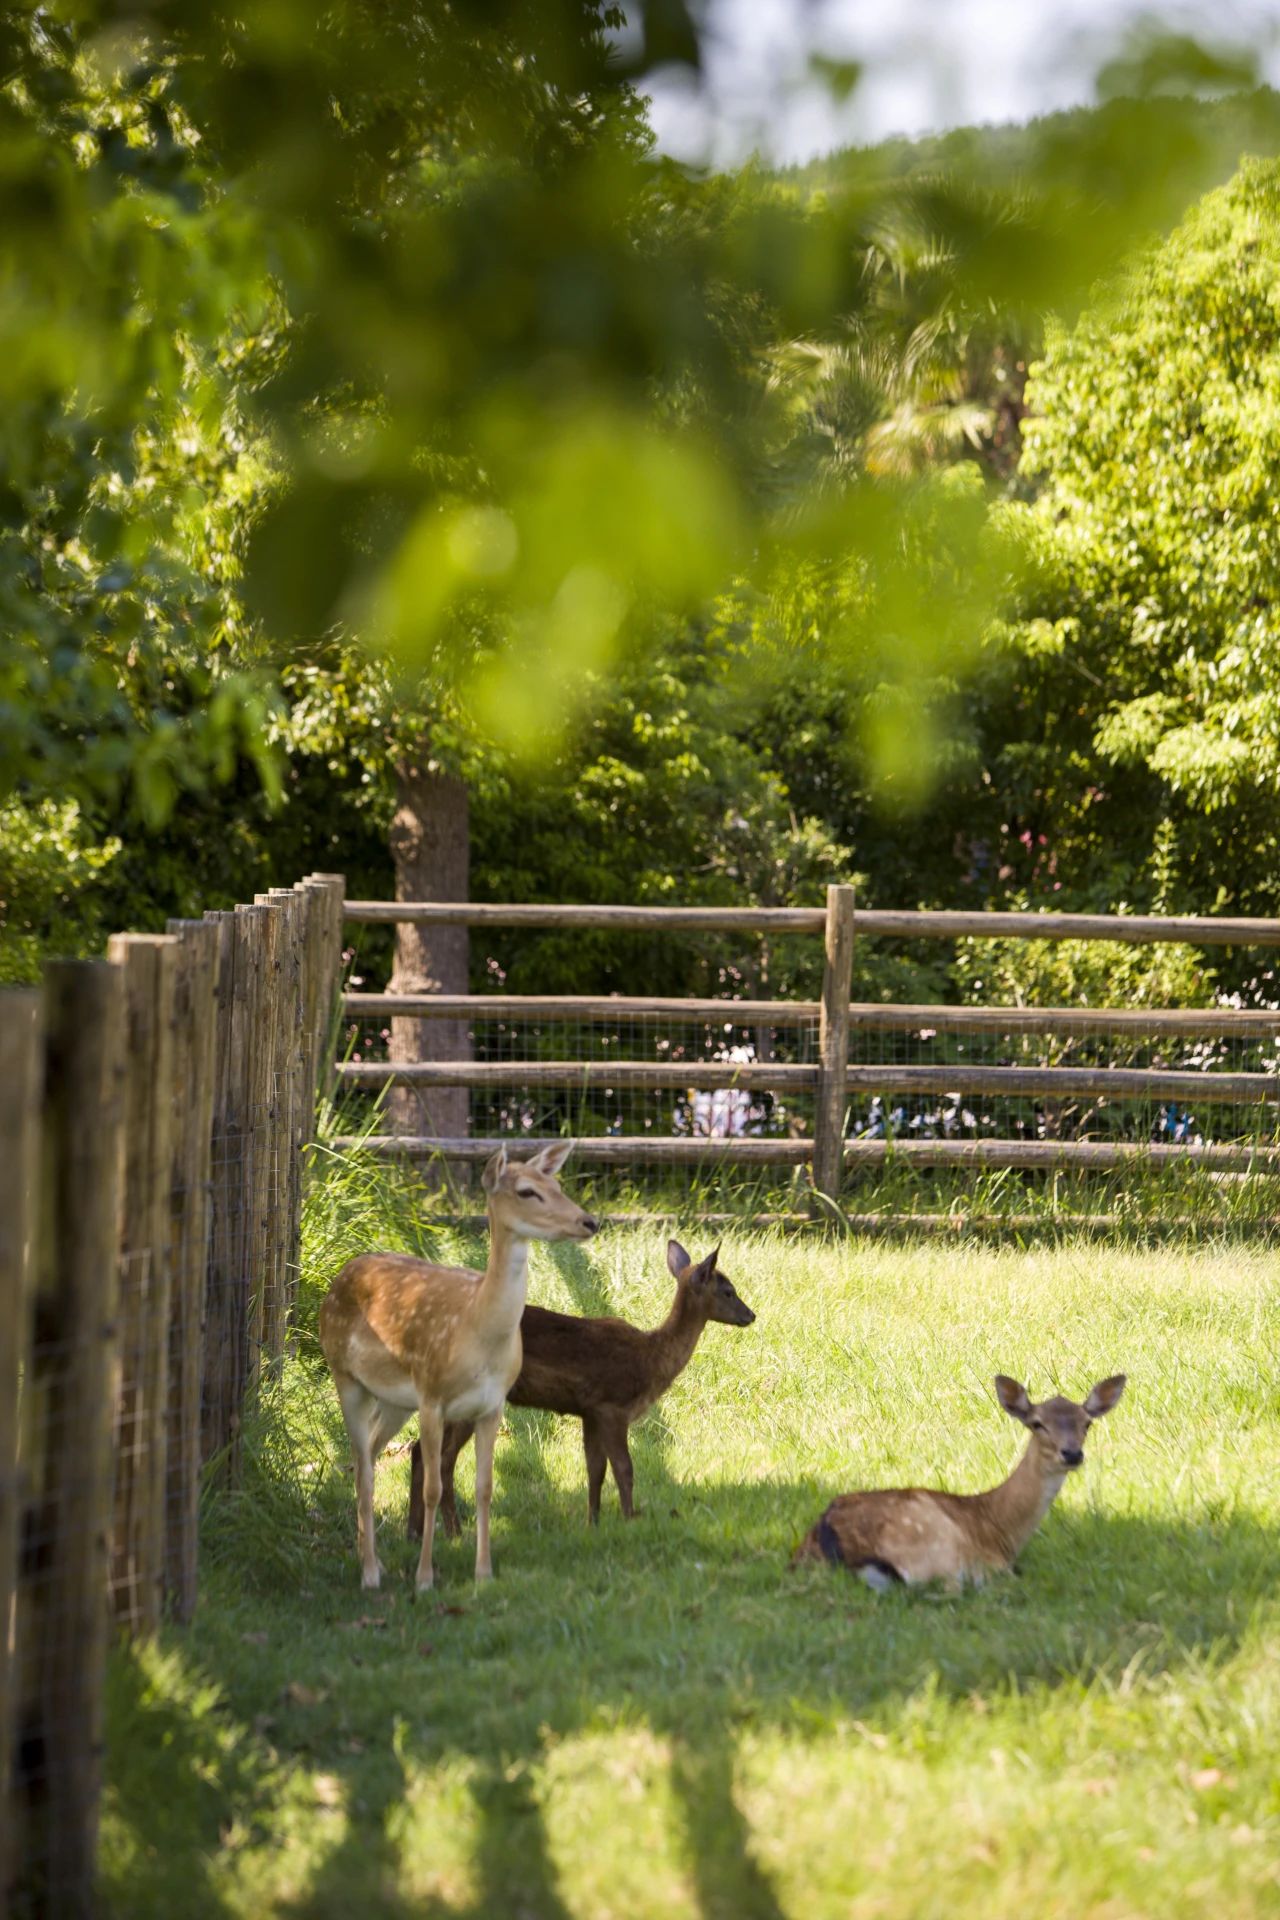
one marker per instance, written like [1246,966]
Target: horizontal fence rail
[573,1006]
[796,1083]
[1194,930]
[649,1149]
[1117,1083]
[618,919]
[865,1016]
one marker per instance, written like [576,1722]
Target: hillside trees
[1145,715]
[482,393]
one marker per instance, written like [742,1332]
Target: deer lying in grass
[913,1534]
[406,1336]
[606,1372]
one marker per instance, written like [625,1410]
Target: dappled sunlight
[661,1717]
[202,1815]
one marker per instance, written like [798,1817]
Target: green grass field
[661,1718]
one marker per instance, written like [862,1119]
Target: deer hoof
[371,1579]
[424,1585]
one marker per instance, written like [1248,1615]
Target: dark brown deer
[605,1372]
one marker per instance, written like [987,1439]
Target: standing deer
[406,1336]
[606,1372]
[912,1534]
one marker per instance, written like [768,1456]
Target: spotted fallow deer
[914,1534]
[405,1336]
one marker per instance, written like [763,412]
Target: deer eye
[528,1193]
[1037,1426]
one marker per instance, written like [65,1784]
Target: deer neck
[672,1344]
[1017,1506]
[504,1283]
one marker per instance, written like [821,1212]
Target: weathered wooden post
[276,1120]
[833,1044]
[147,962]
[262,1045]
[195,1033]
[290,1101]
[227,1154]
[68,1408]
[332,887]
[21,1076]
[248,1070]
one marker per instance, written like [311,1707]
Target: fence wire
[512,1108]
[957,1113]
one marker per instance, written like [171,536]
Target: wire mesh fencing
[669,1097]
[1190,1085]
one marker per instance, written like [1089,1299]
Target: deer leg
[360,1412]
[456,1435]
[486,1434]
[620,1461]
[416,1502]
[597,1460]
[430,1430]
[387,1422]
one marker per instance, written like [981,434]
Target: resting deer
[912,1534]
[606,1372]
[406,1336]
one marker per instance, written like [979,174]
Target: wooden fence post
[21,1076]
[260,1045]
[332,888]
[245,1069]
[226,1173]
[195,1033]
[68,1406]
[299,905]
[146,1268]
[290,1064]
[833,1044]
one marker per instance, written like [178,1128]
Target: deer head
[1058,1426]
[710,1290]
[525,1197]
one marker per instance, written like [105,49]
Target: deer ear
[705,1269]
[1013,1397]
[552,1158]
[495,1167]
[1104,1396]
[678,1260]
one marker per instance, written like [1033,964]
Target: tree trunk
[431,848]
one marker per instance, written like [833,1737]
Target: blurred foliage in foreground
[367,386]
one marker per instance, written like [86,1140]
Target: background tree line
[399,462]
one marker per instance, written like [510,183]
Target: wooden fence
[831,1078]
[156,1104]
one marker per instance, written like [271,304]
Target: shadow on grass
[691,1626]
[170,1788]
[715,1835]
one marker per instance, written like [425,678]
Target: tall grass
[661,1718]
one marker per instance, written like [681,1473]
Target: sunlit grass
[663,1719]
